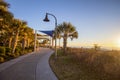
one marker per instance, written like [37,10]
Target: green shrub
[1,59]
[26,49]
[17,54]
[8,56]
[31,48]
[2,50]
[14,55]
[8,50]
[18,50]
[11,56]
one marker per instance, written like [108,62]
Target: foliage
[66,30]
[2,50]
[88,64]
[8,50]
[17,50]
[1,59]
[15,34]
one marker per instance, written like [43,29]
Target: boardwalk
[33,66]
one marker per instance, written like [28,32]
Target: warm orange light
[118,43]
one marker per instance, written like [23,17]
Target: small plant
[96,47]
[17,50]
[1,59]
[8,50]
[2,50]
[31,48]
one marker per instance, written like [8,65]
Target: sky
[97,21]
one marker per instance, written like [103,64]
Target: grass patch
[88,66]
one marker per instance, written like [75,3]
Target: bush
[2,50]
[31,48]
[16,54]
[8,50]
[26,49]
[18,50]
[105,63]
[1,59]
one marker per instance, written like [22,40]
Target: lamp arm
[54,17]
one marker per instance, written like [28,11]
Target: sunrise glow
[118,43]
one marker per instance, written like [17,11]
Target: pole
[35,41]
[47,20]
[55,34]
[56,39]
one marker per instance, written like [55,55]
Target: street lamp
[47,20]
[35,40]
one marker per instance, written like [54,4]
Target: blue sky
[97,21]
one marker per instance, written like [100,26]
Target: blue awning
[50,33]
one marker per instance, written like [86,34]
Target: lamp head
[46,18]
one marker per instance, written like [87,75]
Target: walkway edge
[7,64]
[52,68]
[47,72]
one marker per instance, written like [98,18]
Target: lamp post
[47,20]
[35,40]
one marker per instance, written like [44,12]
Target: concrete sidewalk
[34,66]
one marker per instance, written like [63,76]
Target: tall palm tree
[5,21]
[10,28]
[26,36]
[5,15]
[73,35]
[18,26]
[10,31]
[66,30]
[58,36]
[30,36]
[3,4]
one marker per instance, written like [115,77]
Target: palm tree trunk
[23,45]
[10,42]
[65,44]
[15,42]
[24,42]
[28,43]
[59,42]
[52,42]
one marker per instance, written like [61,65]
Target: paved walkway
[34,66]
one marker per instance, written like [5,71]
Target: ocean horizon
[102,47]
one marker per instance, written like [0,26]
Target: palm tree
[30,36]
[10,32]
[58,36]
[66,30]
[26,36]
[5,22]
[5,15]
[3,4]
[74,35]
[18,26]
[10,29]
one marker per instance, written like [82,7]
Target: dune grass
[86,64]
